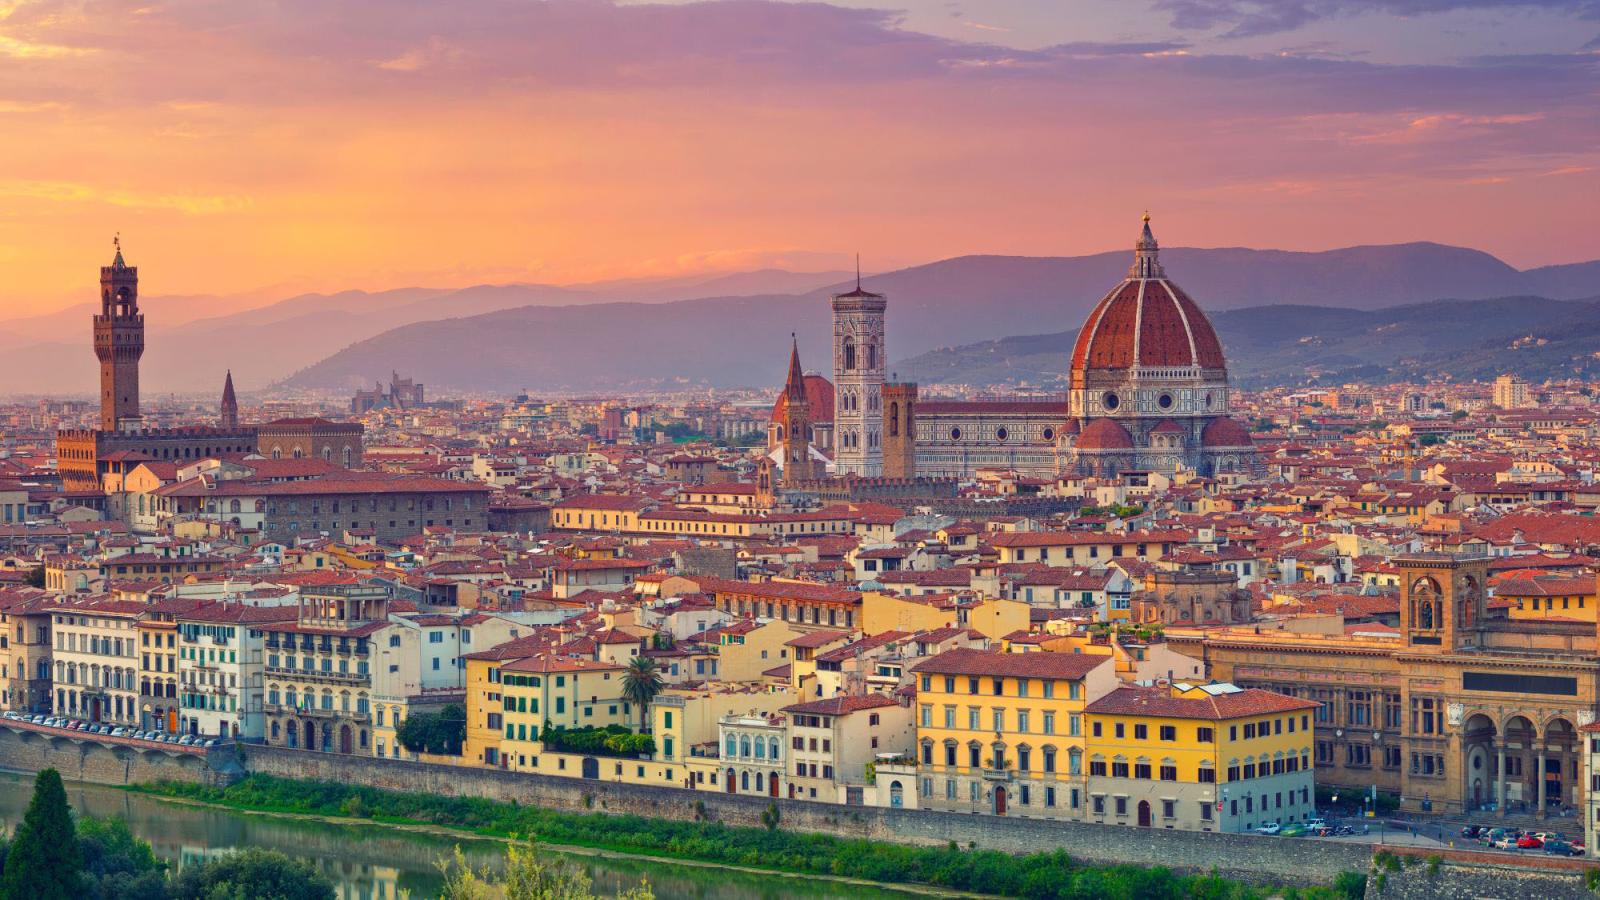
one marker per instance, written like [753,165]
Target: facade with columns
[1466,711]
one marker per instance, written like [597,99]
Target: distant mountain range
[742,341]
[191,341]
[732,330]
[1292,345]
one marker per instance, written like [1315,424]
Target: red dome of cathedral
[819,396]
[1104,434]
[1146,321]
[1225,432]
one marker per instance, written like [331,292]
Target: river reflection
[369,862]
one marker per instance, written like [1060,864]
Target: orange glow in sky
[329,145]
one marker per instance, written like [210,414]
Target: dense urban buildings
[1155,601]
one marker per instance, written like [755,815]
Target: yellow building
[882,612]
[994,619]
[515,689]
[1211,757]
[1003,733]
[746,649]
[1549,597]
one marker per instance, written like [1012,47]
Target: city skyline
[572,141]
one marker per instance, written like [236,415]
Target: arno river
[369,862]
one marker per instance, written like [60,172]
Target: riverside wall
[1247,857]
[1282,861]
[111,761]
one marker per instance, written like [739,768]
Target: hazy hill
[192,340]
[571,336]
[1533,336]
[741,341]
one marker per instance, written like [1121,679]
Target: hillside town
[1157,601]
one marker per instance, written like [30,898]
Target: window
[1169,772]
[1140,732]
[1141,770]
[1205,735]
[1169,732]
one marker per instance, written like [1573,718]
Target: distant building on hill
[403,393]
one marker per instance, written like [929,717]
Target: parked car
[1529,842]
[1559,847]
[1316,823]
[1293,829]
[186,739]
[1269,828]
[1504,842]
[1471,831]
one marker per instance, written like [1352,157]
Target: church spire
[230,403]
[795,387]
[1146,263]
[117,262]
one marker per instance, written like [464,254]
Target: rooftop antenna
[858,271]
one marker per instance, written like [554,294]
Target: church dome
[1104,434]
[819,397]
[1225,432]
[1146,321]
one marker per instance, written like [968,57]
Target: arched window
[872,355]
[772,744]
[233,506]
[744,745]
[894,419]
[733,746]
[849,353]
[348,456]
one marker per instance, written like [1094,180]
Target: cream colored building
[96,658]
[834,744]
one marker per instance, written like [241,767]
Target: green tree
[640,684]
[43,862]
[527,878]
[36,577]
[441,733]
[117,865]
[252,874]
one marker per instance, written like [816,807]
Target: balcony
[313,675]
[996,774]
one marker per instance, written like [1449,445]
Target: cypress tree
[43,861]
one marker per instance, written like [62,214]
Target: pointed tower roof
[795,387]
[117,262]
[1146,259]
[228,399]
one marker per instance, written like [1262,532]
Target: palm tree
[640,685]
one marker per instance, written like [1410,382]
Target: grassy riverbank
[1037,875]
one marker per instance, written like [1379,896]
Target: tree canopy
[252,874]
[441,733]
[43,862]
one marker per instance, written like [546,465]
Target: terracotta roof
[819,401]
[1104,434]
[1225,432]
[1018,665]
[838,706]
[1137,701]
[1150,318]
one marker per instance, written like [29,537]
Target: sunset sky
[277,145]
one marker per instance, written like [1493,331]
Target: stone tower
[230,404]
[858,370]
[795,427]
[1443,599]
[118,343]
[900,430]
